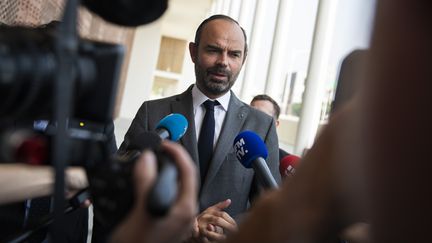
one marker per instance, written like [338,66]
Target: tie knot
[209,105]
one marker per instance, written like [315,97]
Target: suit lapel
[234,120]
[183,104]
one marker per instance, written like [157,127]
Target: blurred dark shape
[28,71]
[128,12]
[351,73]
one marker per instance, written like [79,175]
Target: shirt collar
[198,98]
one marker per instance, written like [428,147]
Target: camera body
[29,71]
[29,65]
[39,65]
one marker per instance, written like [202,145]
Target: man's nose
[223,59]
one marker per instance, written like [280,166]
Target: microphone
[164,191]
[288,164]
[141,141]
[128,12]
[251,152]
[172,127]
[112,186]
[111,183]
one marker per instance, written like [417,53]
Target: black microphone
[252,152]
[164,191]
[128,12]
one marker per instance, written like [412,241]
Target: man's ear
[193,51]
[244,57]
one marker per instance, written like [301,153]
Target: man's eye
[235,54]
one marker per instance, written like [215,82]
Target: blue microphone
[251,152]
[172,127]
[164,191]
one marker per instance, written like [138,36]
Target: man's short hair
[214,17]
[276,107]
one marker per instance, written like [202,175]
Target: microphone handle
[164,191]
[263,173]
[163,133]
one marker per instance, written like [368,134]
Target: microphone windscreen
[176,124]
[128,12]
[248,146]
[144,140]
[288,164]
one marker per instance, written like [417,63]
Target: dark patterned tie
[206,137]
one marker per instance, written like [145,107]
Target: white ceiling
[183,17]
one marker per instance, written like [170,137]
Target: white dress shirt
[199,111]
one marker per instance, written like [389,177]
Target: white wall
[179,21]
[144,55]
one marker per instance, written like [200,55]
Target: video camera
[28,72]
[49,73]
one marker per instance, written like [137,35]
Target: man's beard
[213,86]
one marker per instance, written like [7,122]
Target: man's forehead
[221,31]
[264,105]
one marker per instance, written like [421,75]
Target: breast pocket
[238,177]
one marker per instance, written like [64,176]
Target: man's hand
[213,224]
[75,180]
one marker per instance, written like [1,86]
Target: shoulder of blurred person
[313,206]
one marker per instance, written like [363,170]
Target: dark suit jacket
[226,177]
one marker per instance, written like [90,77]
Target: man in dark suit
[218,52]
[269,106]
